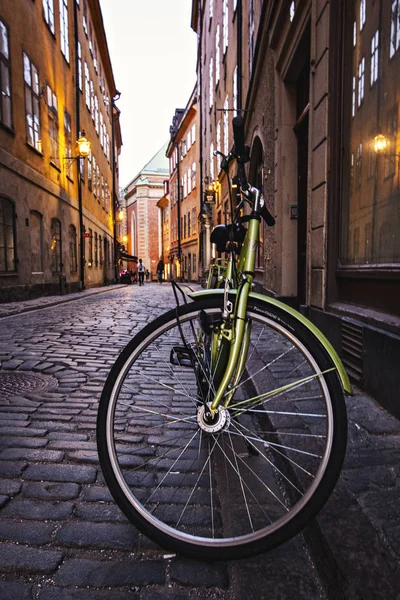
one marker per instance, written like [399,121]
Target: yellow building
[182,152]
[56,209]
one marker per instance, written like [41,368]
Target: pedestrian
[141,269]
[160,270]
[147,275]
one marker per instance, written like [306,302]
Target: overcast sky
[153,54]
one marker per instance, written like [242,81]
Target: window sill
[38,152]
[55,166]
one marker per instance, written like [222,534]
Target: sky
[153,55]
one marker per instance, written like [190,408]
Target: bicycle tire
[256,481]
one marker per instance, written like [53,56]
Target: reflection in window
[5,78]
[374,57]
[48,13]
[32,110]
[361,73]
[370,227]
[55,247]
[36,238]
[73,263]
[52,105]
[7,236]
[64,32]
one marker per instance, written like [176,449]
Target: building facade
[56,210]
[144,237]
[184,198]
[318,85]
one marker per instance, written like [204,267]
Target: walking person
[141,269]
[160,270]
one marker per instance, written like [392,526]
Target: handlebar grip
[238,134]
[268,218]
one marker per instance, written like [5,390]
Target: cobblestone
[62,536]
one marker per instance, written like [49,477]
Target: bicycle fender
[269,301]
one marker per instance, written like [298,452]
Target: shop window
[7,236]
[55,248]
[73,263]
[370,234]
[36,239]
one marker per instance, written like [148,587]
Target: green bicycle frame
[237,328]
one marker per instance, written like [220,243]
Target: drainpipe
[114,179]
[78,133]
[200,133]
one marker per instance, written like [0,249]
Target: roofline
[188,111]
[148,172]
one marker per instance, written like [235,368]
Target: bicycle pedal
[181,356]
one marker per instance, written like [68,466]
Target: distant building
[183,193]
[56,211]
[143,215]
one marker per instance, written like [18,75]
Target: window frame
[7,227]
[6,90]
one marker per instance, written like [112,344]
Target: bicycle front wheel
[244,481]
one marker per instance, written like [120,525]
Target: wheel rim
[213,489]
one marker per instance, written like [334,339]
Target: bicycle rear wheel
[245,481]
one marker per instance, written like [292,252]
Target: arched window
[73,263]
[7,236]
[36,235]
[56,265]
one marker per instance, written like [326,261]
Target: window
[84,17]
[212,161]
[73,263]
[353,105]
[64,33]
[394,28]
[292,10]
[211,7]
[68,136]
[53,127]
[55,247]
[80,78]
[96,250]
[96,114]
[184,185]
[87,86]
[36,240]
[194,263]
[225,17]
[217,56]
[359,165]
[94,175]
[102,198]
[7,236]
[374,58]
[354,34]
[5,79]
[362,14]
[184,226]
[188,223]
[90,255]
[226,126]
[193,175]
[235,92]
[89,170]
[189,180]
[194,220]
[98,181]
[48,13]
[211,82]
[101,260]
[218,144]
[193,133]
[32,110]
[251,35]
[361,73]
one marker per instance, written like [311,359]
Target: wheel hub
[218,422]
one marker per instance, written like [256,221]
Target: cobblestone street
[61,535]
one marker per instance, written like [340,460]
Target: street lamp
[82,148]
[380,144]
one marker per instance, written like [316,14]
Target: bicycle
[222,425]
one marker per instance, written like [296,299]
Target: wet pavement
[62,536]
